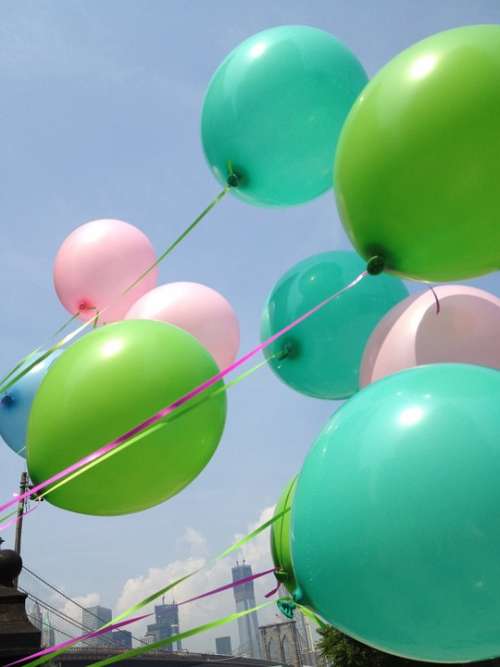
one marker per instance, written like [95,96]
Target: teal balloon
[323,353]
[395,520]
[16,402]
[273,113]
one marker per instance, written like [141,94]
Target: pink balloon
[97,262]
[466,330]
[198,309]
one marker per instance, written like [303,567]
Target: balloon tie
[438,305]
[375,265]
[18,372]
[287,607]
[157,420]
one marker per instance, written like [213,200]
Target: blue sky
[100,118]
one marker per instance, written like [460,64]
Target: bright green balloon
[274,110]
[395,526]
[106,384]
[418,160]
[325,351]
[280,539]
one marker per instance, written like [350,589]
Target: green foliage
[343,651]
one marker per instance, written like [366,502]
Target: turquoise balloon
[273,113]
[395,521]
[323,354]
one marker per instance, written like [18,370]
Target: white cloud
[195,542]
[256,553]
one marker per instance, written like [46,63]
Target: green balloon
[395,526]
[273,112]
[107,383]
[418,160]
[323,353]
[280,539]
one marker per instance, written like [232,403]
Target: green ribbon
[178,637]
[162,591]
[8,381]
[311,615]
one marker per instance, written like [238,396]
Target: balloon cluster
[163,341]
[392,533]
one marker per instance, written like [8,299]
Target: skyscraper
[122,639]
[92,619]
[223,646]
[166,624]
[248,626]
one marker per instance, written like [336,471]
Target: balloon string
[175,415]
[438,305]
[47,654]
[180,238]
[57,649]
[180,636]
[233,584]
[161,414]
[4,384]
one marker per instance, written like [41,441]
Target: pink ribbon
[233,584]
[184,399]
[69,642]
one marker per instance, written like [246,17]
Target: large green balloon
[395,526]
[280,539]
[419,157]
[274,110]
[107,383]
[325,351]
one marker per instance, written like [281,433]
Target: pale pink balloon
[466,330]
[198,309]
[97,262]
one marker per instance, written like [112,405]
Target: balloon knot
[7,400]
[286,607]
[285,351]
[375,265]
[233,180]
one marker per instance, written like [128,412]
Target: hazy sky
[100,118]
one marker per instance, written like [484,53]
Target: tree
[343,651]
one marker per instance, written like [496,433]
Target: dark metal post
[23,485]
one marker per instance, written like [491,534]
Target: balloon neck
[375,265]
[7,400]
[298,595]
[84,305]
[234,180]
[285,351]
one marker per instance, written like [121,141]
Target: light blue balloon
[15,404]
[395,519]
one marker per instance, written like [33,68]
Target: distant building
[223,646]
[307,635]
[166,624]
[41,620]
[48,632]
[248,626]
[92,619]
[281,643]
[121,639]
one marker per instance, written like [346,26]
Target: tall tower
[166,624]
[92,619]
[248,626]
